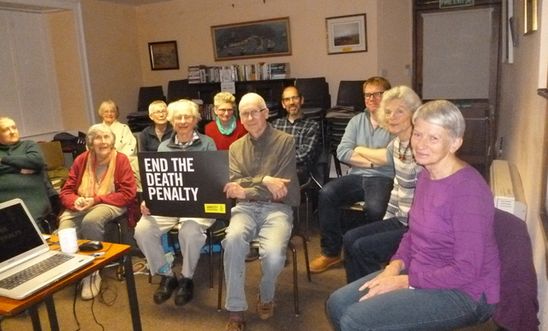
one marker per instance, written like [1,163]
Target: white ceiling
[25,6]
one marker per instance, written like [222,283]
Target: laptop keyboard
[33,271]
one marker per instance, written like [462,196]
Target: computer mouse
[92,245]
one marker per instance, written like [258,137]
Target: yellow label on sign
[215,208]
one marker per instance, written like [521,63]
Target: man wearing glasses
[305,131]
[370,178]
[263,179]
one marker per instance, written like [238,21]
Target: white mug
[68,240]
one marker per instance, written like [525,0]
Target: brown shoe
[235,325]
[322,263]
[265,310]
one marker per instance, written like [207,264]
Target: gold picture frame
[346,34]
[530,16]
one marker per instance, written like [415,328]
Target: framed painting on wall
[163,55]
[251,39]
[346,34]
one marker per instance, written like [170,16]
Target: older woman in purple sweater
[446,271]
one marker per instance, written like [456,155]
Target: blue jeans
[368,246]
[344,191]
[271,224]
[405,309]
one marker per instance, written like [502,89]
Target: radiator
[507,188]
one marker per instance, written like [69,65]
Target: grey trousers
[90,223]
[191,237]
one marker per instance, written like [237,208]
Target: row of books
[237,72]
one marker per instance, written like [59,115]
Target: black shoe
[185,292]
[253,254]
[166,288]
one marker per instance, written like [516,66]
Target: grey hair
[176,107]
[253,99]
[444,114]
[155,105]
[404,93]
[94,131]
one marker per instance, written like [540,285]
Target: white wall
[522,123]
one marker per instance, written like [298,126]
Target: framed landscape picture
[252,39]
[346,34]
[163,55]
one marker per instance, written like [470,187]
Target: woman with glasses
[151,136]
[226,128]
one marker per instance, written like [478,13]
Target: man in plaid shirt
[305,131]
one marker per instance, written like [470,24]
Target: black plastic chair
[147,94]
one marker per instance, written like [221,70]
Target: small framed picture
[346,34]
[163,55]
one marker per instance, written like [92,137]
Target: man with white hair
[263,179]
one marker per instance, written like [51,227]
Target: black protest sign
[185,184]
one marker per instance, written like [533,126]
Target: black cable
[91,282]
[74,308]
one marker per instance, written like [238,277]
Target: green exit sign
[455,3]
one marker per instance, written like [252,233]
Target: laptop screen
[17,232]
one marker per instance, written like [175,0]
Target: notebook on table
[27,264]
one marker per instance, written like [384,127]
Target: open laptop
[24,253]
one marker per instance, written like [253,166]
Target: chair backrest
[53,154]
[350,93]
[147,94]
[315,92]
[518,305]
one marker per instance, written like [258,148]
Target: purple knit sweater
[451,240]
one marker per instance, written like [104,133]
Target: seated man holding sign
[263,179]
[184,115]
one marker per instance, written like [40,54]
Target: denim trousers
[271,224]
[368,246]
[345,191]
[405,309]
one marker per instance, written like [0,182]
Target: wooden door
[456,56]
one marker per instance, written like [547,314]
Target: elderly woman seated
[184,116]
[446,271]
[99,187]
[226,128]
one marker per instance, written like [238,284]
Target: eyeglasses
[291,98]
[183,117]
[159,112]
[375,95]
[225,110]
[253,113]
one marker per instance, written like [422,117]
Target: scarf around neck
[231,126]
[93,185]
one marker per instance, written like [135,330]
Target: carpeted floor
[112,310]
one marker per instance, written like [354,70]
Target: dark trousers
[368,246]
[345,191]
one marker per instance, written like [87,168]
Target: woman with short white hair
[98,189]
[184,115]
